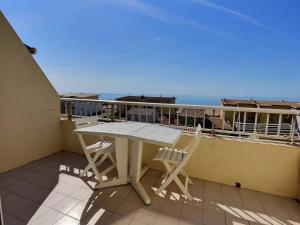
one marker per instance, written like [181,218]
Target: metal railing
[256,123]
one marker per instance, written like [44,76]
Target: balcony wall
[29,105]
[265,167]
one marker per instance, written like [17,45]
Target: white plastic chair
[174,160]
[93,152]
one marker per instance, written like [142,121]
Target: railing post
[185,119]
[139,113]
[169,116]
[223,120]
[203,119]
[245,120]
[213,124]
[293,129]
[255,123]
[161,115]
[233,120]
[69,110]
[195,118]
[279,124]
[112,113]
[267,124]
[146,114]
[154,112]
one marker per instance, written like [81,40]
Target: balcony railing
[256,123]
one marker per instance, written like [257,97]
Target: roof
[260,103]
[190,112]
[80,95]
[150,99]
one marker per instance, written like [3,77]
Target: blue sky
[178,47]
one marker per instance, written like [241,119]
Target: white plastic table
[138,133]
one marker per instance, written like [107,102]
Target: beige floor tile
[240,213]
[31,213]
[149,180]
[4,192]
[47,218]
[172,207]
[212,186]
[9,200]
[232,190]
[27,213]
[156,173]
[11,220]
[213,194]
[122,192]
[213,205]
[191,212]
[95,215]
[232,200]
[257,218]
[128,209]
[81,193]
[39,195]
[133,197]
[276,211]
[253,204]
[235,221]
[146,215]
[65,205]
[66,220]
[186,221]
[271,220]
[196,191]
[213,218]
[53,198]
[79,211]
[20,205]
[116,219]
[246,193]
[166,219]
[268,199]
[111,204]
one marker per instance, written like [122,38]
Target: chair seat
[104,146]
[170,155]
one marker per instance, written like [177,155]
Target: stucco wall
[270,168]
[29,105]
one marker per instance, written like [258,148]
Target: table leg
[121,145]
[135,170]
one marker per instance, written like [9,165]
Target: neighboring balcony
[255,123]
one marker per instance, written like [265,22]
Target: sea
[198,100]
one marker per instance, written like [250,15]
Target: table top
[146,132]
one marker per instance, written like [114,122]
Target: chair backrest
[193,144]
[86,121]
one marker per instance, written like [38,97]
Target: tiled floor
[49,191]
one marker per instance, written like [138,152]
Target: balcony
[40,158]
[50,191]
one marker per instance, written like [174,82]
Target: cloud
[157,13]
[240,16]
[228,11]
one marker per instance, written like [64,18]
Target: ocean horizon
[197,100]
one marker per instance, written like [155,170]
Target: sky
[174,47]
